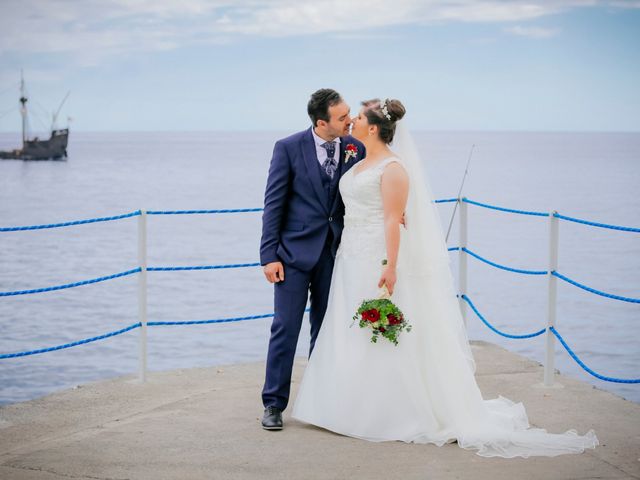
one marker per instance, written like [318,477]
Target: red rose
[371,315]
[393,320]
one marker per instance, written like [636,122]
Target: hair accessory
[385,112]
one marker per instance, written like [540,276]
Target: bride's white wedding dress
[423,390]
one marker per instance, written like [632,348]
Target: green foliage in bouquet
[383,317]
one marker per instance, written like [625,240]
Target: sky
[192,65]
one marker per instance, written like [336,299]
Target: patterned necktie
[330,165]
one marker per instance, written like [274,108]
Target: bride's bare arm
[395,190]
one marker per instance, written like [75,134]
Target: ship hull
[53,149]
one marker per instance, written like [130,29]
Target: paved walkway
[205,424]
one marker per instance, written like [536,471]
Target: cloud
[624,4]
[92,29]
[533,32]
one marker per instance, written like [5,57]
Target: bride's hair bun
[396,110]
[384,114]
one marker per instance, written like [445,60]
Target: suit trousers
[290,300]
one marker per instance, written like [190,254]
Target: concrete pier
[205,424]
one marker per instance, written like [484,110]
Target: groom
[301,228]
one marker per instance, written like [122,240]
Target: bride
[423,390]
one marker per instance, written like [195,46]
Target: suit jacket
[296,219]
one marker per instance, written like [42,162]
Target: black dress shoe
[272,419]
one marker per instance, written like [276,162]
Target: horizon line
[213,130]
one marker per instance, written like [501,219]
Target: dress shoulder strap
[387,161]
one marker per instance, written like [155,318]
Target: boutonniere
[350,151]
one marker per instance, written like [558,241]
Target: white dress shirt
[321,152]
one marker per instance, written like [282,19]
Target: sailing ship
[55,148]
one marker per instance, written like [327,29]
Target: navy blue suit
[301,227]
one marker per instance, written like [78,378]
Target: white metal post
[142,293]
[462,260]
[549,364]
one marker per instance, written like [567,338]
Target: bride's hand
[388,278]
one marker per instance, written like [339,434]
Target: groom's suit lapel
[313,172]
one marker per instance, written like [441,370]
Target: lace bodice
[363,233]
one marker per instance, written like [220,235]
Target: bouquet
[382,316]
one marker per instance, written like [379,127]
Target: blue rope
[71,285]
[559,275]
[72,344]
[508,335]
[195,212]
[517,270]
[593,290]
[596,224]
[564,344]
[128,272]
[67,224]
[203,322]
[220,320]
[244,210]
[544,214]
[451,249]
[522,212]
[202,267]
[581,363]
[131,327]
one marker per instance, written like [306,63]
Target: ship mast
[55,115]
[23,109]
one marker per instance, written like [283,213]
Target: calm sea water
[588,175]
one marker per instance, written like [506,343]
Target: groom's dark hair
[319,103]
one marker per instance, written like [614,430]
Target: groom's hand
[274,272]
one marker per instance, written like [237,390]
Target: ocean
[594,176]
